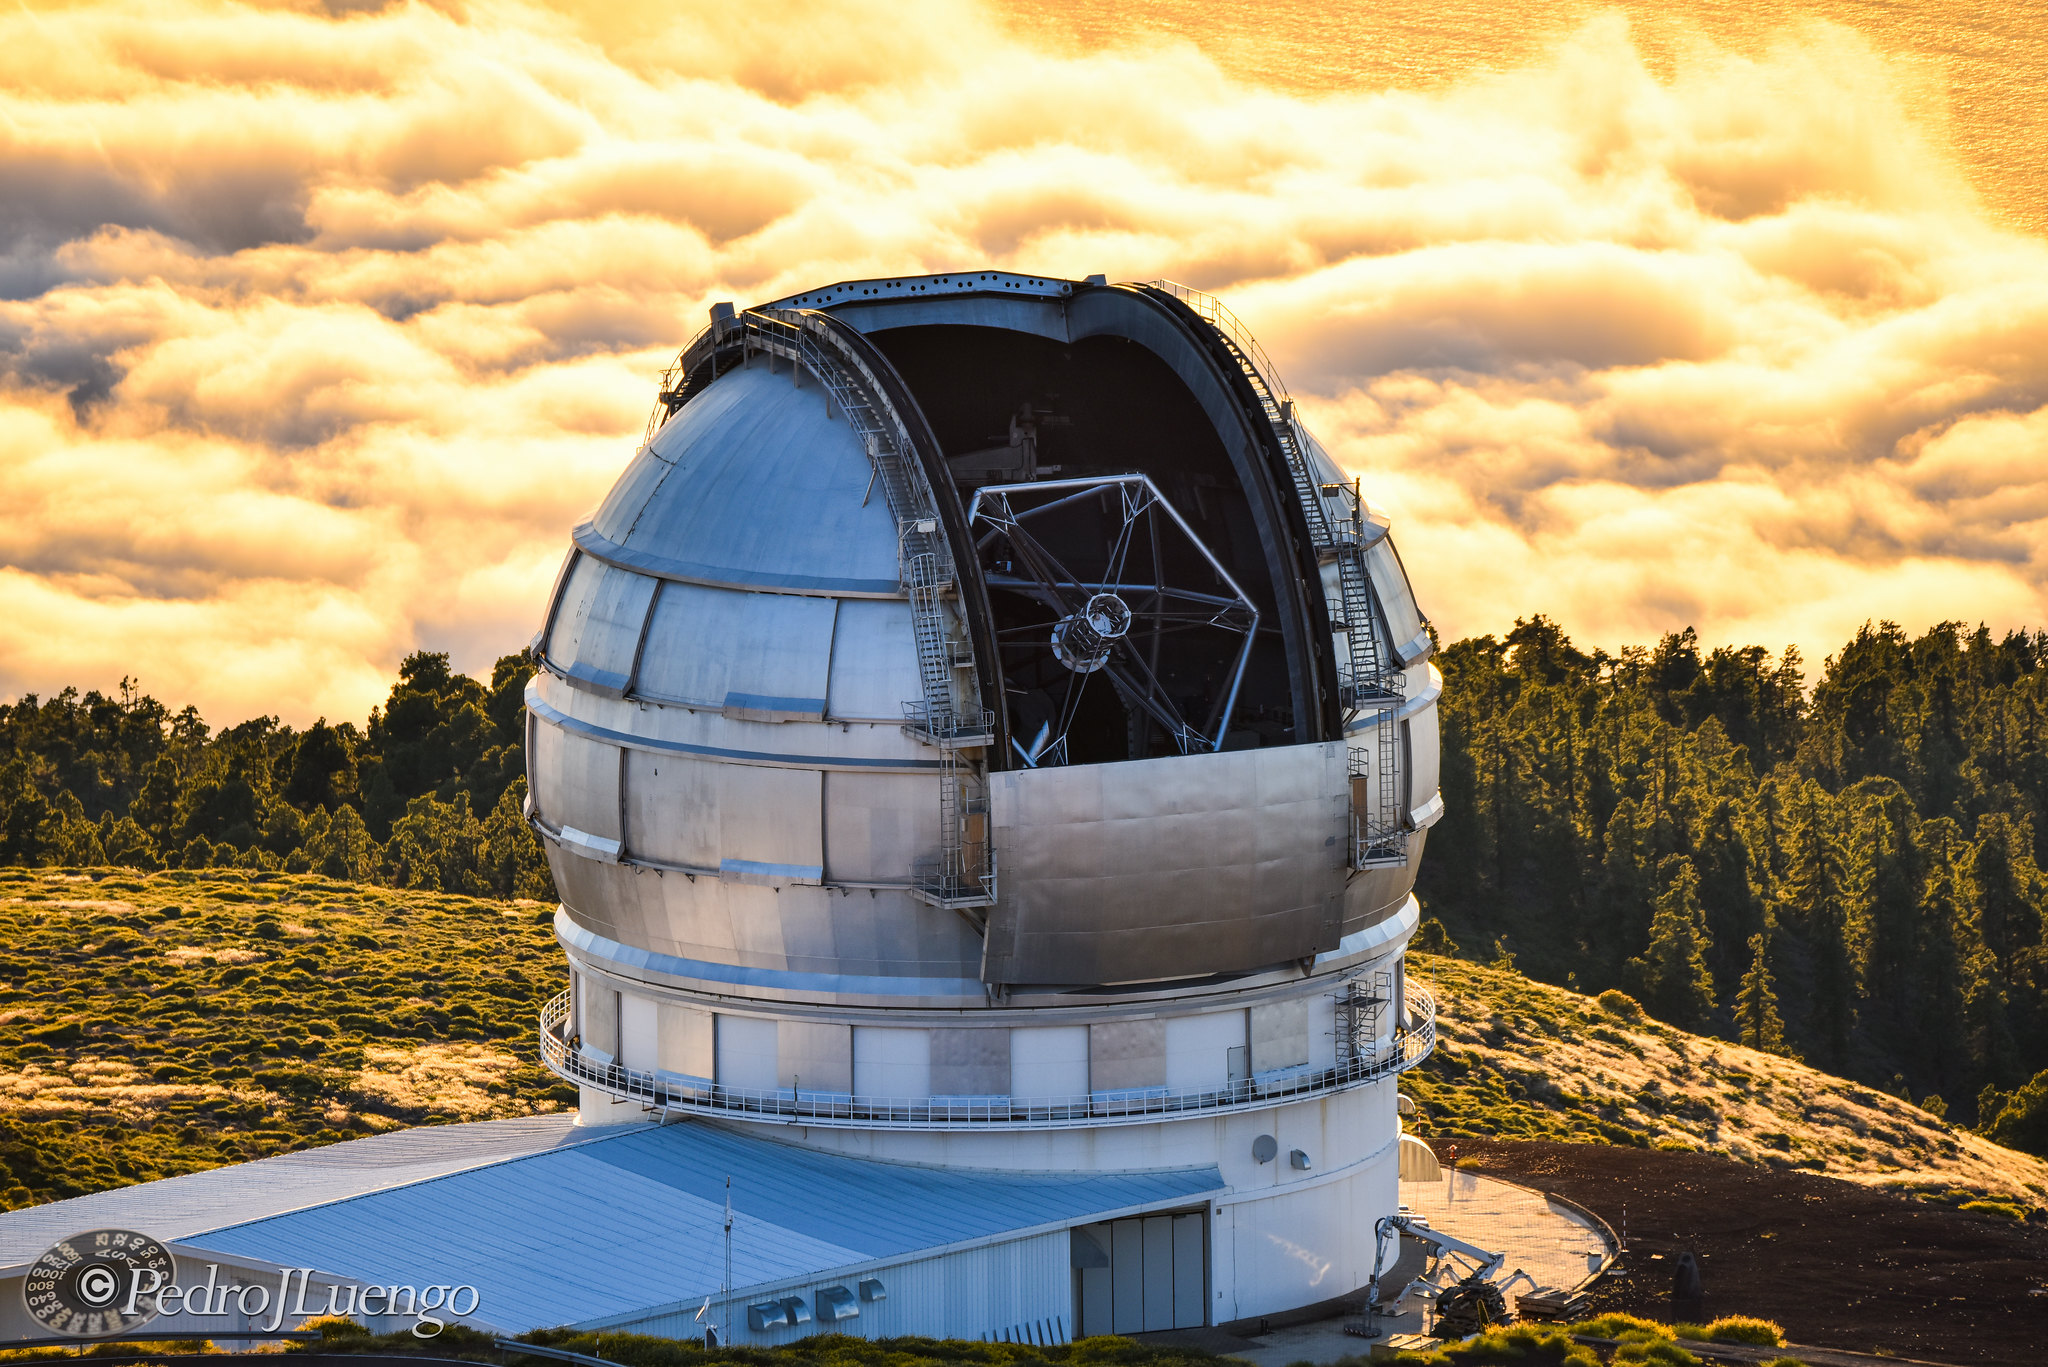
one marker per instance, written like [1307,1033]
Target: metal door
[1140,1275]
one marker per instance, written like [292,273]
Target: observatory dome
[981,708]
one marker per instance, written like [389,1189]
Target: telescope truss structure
[1112,611]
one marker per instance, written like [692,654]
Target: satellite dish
[1265,1148]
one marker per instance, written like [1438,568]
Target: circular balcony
[672,1093]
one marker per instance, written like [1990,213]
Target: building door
[1134,1276]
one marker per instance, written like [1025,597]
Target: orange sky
[317,334]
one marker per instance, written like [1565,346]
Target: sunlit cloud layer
[317,333]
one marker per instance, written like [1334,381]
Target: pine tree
[2013,891]
[1884,914]
[1813,900]
[1951,997]
[1757,1022]
[1672,972]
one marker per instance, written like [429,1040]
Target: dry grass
[219,954]
[1523,1059]
[72,904]
[457,1081]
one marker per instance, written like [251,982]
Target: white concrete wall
[747,1053]
[1281,1236]
[814,1056]
[688,1043]
[1198,1050]
[1049,1060]
[890,1062]
[1296,1243]
[639,1032]
[1181,1048]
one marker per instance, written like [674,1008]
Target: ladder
[1367,680]
[1358,1018]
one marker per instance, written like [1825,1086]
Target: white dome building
[982,729]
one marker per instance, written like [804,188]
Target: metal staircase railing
[1368,680]
[964,875]
[940,716]
[1359,1010]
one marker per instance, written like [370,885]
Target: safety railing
[670,1093]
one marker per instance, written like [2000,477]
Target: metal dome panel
[1168,868]
[772,657]
[757,488]
[598,625]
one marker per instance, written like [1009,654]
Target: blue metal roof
[634,1220]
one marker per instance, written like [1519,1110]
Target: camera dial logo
[99,1282]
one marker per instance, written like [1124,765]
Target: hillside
[1518,1059]
[162,1023]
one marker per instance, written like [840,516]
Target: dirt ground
[1837,1264]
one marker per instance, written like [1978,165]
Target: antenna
[725,1300]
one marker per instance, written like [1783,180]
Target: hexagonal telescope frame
[1110,618]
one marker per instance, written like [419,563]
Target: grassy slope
[1518,1059]
[157,1024]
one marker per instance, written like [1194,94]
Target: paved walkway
[1556,1246]
[1551,1242]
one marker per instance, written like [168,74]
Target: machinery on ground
[1469,1305]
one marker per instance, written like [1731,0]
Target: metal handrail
[1216,313]
[695,1096]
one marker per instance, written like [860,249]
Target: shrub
[1521,1345]
[1655,1351]
[1618,1003]
[2018,1120]
[1742,1329]
[1614,1326]
[1434,939]
[2005,1210]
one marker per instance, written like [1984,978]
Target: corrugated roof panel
[880,1208]
[544,1242]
